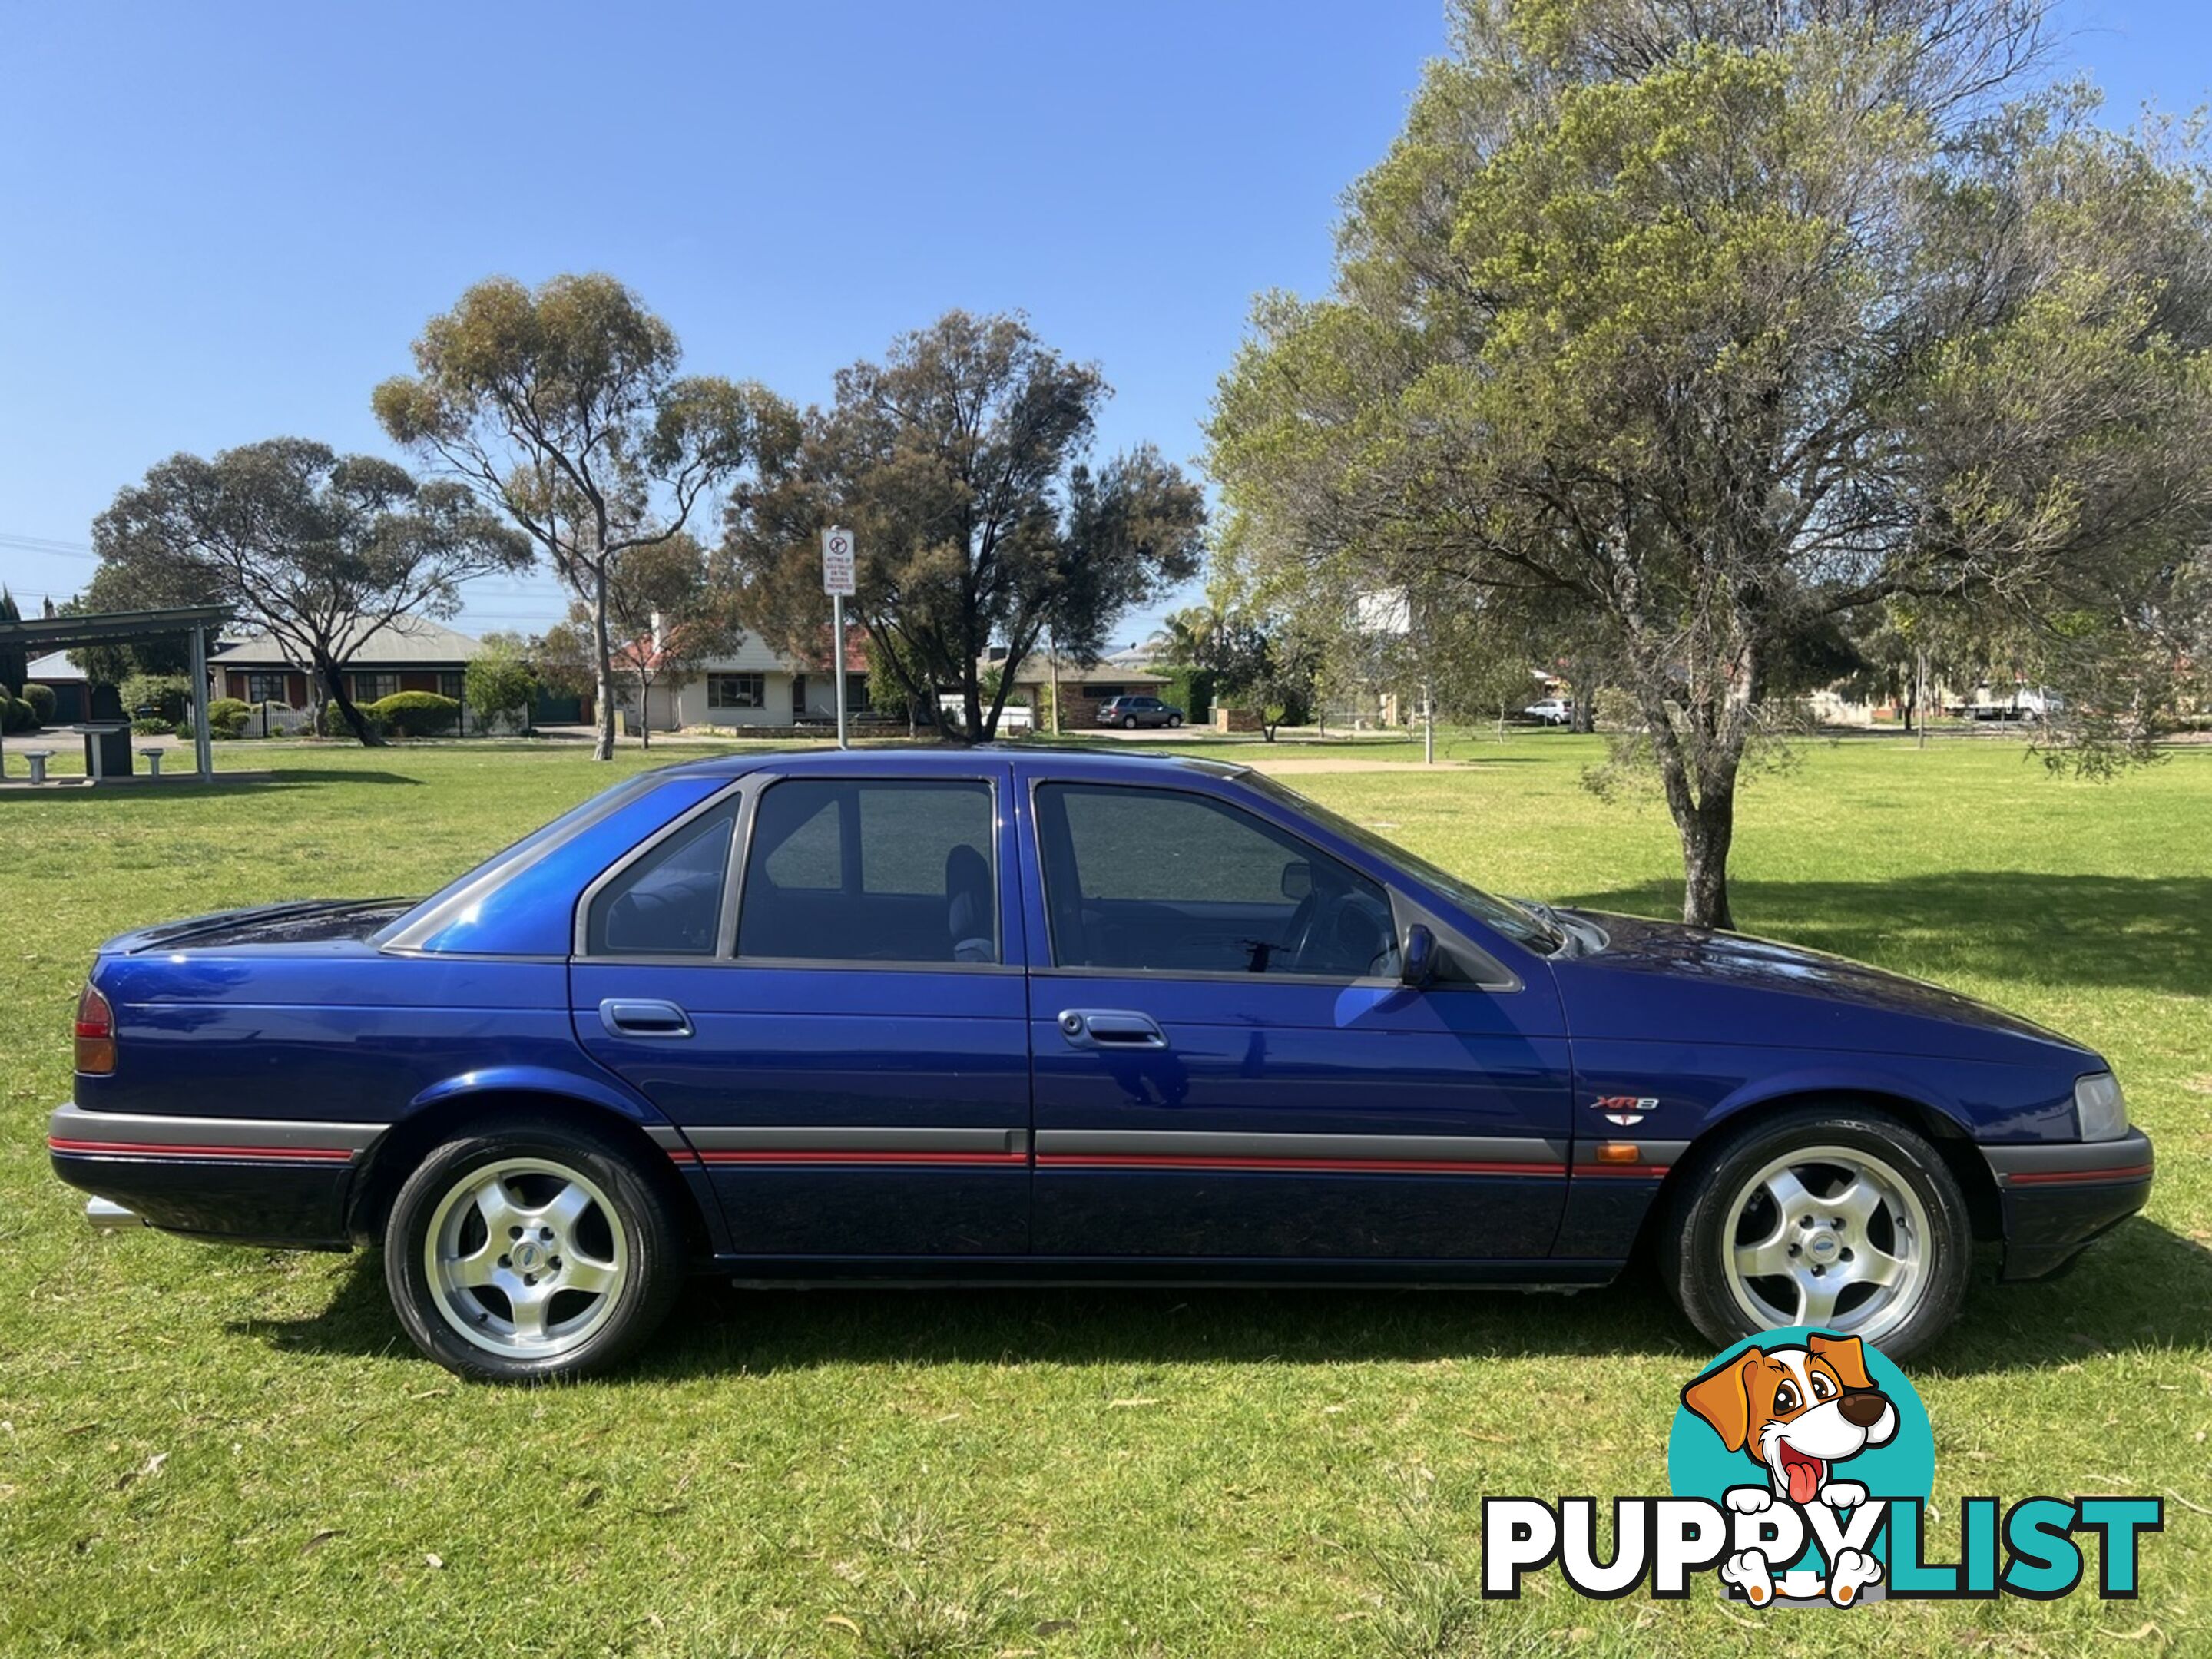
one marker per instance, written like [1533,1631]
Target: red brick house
[409,654]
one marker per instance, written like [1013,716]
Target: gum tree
[562,406]
[959,464]
[321,551]
[1699,330]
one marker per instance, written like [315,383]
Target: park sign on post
[838,563]
[837,583]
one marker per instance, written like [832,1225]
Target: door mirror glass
[1297,879]
[1417,956]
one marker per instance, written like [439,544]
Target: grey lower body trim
[1141,1144]
[803,1142]
[72,1129]
[2128,1158]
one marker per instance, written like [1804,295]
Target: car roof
[921,760]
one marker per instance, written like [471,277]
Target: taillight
[95,1033]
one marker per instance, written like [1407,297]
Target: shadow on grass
[171,788]
[2141,1288]
[2150,932]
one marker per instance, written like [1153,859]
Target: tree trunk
[644,712]
[334,682]
[971,704]
[1707,834]
[603,747]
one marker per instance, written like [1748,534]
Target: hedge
[41,699]
[414,714]
[165,694]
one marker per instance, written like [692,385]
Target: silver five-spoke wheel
[1830,1236]
[526,1258]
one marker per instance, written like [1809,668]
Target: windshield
[1522,927]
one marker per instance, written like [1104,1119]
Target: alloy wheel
[1828,1236]
[525,1257]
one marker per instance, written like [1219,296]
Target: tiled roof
[407,641]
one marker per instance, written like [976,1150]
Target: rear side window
[871,870]
[669,903]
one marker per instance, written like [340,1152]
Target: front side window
[1165,881]
[669,903]
[737,690]
[871,870]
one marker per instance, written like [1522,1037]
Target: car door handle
[629,1017]
[1111,1028]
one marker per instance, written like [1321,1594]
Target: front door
[1227,1067]
[813,980]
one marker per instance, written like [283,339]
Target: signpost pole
[837,583]
[837,631]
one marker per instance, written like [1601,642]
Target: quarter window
[1163,881]
[871,870]
[669,903]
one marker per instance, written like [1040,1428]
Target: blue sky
[222,222]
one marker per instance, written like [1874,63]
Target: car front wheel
[522,1254]
[1841,1219]
[1175,720]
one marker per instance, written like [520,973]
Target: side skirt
[923,1273]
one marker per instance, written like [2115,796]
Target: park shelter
[195,623]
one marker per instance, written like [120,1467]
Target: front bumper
[248,1181]
[2058,1196]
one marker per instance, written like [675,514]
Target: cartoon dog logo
[1796,1412]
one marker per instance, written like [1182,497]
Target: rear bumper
[247,1180]
[2057,1197]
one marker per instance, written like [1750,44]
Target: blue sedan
[995,1016]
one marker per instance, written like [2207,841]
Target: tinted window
[861,869]
[1522,927]
[1166,881]
[669,903]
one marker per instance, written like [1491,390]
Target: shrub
[14,714]
[152,729]
[1190,690]
[334,720]
[227,717]
[414,714]
[164,693]
[41,699]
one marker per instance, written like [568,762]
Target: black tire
[1698,1230]
[641,1235]
[1175,720]
[1128,722]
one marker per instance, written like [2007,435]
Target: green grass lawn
[215,1450]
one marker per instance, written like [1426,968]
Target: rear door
[1227,1066]
[817,979]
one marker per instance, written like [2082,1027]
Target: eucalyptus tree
[563,406]
[320,551]
[1705,325]
[959,463]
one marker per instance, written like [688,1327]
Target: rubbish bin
[106,748]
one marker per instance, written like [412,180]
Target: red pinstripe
[149,1149]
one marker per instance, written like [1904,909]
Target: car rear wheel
[1128,722]
[1843,1220]
[525,1254]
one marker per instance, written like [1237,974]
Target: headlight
[2099,1107]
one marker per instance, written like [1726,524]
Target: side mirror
[1417,956]
[1297,879]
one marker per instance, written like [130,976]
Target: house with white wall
[751,686]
